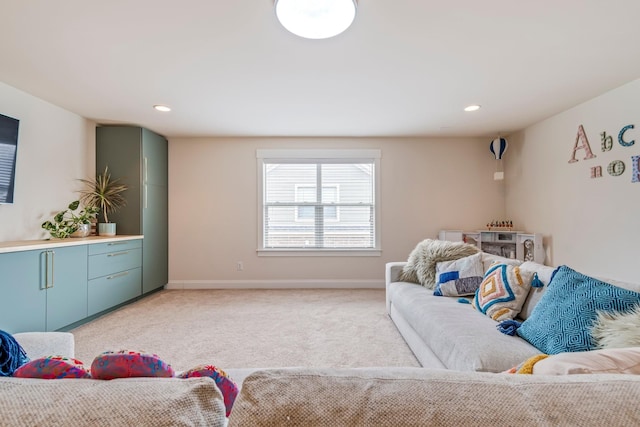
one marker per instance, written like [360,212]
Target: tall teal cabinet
[139,157]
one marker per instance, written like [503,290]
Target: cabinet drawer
[108,291]
[101,248]
[114,262]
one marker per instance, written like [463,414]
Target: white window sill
[320,252]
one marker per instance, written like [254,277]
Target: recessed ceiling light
[472,108]
[316,19]
[162,108]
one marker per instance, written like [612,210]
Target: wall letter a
[581,138]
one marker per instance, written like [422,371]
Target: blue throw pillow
[562,320]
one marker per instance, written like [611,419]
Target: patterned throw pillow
[227,386]
[459,277]
[503,291]
[125,364]
[562,320]
[52,367]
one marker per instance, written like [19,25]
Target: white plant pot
[83,231]
[107,229]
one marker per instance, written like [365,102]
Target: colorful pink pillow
[227,387]
[52,367]
[125,364]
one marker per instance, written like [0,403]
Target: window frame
[317,156]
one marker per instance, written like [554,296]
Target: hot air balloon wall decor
[498,147]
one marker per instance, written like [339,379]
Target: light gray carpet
[253,329]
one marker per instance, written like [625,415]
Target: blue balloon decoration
[498,146]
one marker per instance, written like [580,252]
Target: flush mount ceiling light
[472,108]
[316,19]
[162,108]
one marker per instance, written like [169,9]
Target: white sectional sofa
[445,334]
[345,397]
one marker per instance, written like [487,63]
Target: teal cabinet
[139,158]
[114,274]
[22,286]
[67,290]
[43,290]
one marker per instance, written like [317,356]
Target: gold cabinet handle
[118,253]
[115,276]
[49,265]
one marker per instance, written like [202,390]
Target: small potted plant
[105,194]
[71,222]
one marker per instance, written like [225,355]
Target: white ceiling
[405,68]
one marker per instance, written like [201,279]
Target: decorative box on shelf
[507,243]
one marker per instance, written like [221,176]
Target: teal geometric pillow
[562,319]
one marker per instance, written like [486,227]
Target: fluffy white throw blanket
[421,265]
[616,330]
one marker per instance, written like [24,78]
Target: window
[7,157]
[307,194]
[318,202]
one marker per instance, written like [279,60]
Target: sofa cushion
[424,397]
[489,259]
[42,344]
[606,361]
[502,292]
[462,338]
[562,320]
[544,274]
[459,277]
[122,402]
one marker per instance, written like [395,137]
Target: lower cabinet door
[108,291]
[67,292]
[23,296]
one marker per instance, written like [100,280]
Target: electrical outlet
[239,266]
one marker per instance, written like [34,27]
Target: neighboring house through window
[308,194]
[318,202]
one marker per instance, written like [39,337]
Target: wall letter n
[581,138]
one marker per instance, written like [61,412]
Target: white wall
[589,224]
[55,147]
[427,184]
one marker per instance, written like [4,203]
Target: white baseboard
[275,284]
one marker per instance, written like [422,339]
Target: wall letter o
[616,168]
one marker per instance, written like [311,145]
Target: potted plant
[71,222]
[104,193]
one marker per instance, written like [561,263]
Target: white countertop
[28,245]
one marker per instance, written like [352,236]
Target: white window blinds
[318,199]
[7,158]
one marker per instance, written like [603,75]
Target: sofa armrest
[42,344]
[393,270]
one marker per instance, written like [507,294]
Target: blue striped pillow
[459,277]
[562,319]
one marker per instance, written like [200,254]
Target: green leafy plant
[104,193]
[66,222]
